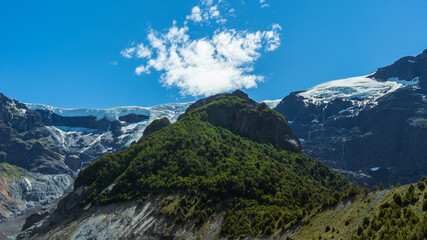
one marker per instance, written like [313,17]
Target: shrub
[365,221]
[398,199]
[421,186]
[359,230]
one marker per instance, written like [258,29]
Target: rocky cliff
[374,124]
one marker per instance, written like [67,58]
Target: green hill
[207,169]
[395,213]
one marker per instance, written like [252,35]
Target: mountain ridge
[204,170]
[371,124]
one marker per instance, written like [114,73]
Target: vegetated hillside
[394,213]
[203,171]
[271,188]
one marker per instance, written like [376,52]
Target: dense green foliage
[397,219]
[262,189]
[10,171]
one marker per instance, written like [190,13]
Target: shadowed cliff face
[16,124]
[406,68]
[156,125]
[385,137]
[250,119]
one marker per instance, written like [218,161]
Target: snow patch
[272,103]
[292,141]
[375,169]
[29,186]
[360,88]
[405,83]
[111,114]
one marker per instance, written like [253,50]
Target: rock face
[406,68]
[376,125]
[156,125]
[249,120]
[29,190]
[17,124]
[73,162]
[122,221]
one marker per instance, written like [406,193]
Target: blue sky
[68,53]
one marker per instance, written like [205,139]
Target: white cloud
[128,52]
[206,11]
[143,51]
[204,66]
[141,69]
[208,66]
[264,3]
[196,14]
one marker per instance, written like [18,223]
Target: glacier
[359,88]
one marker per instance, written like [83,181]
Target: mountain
[45,142]
[30,174]
[49,145]
[374,125]
[88,134]
[205,176]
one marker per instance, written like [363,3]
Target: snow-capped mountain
[88,134]
[50,145]
[374,124]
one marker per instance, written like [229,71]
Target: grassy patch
[10,171]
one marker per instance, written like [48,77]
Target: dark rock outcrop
[16,122]
[74,162]
[250,119]
[133,118]
[406,68]
[156,125]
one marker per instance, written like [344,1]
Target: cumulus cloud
[206,11]
[128,52]
[204,66]
[264,3]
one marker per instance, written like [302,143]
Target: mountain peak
[407,69]
[243,116]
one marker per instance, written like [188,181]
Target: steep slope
[21,190]
[394,213]
[372,125]
[195,179]
[51,144]
[30,174]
